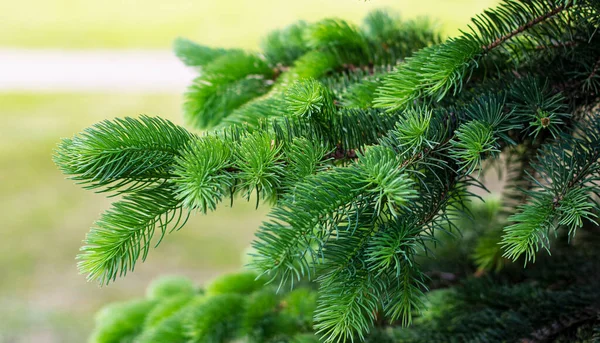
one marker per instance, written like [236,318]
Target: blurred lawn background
[42,297]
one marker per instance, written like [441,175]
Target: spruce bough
[370,142]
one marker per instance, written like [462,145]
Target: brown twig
[557,45]
[594,70]
[523,28]
[555,328]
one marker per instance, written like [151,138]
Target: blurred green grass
[46,217]
[77,24]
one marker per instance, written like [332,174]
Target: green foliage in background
[231,307]
[370,142]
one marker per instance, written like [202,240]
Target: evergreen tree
[370,142]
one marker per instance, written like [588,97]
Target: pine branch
[195,55]
[569,173]
[226,83]
[346,308]
[362,196]
[285,243]
[433,72]
[283,47]
[123,155]
[124,233]
[203,173]
[405,294]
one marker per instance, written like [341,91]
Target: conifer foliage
[369,142]
[231,306]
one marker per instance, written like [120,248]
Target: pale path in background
[92,70]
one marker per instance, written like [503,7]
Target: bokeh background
[66,64]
